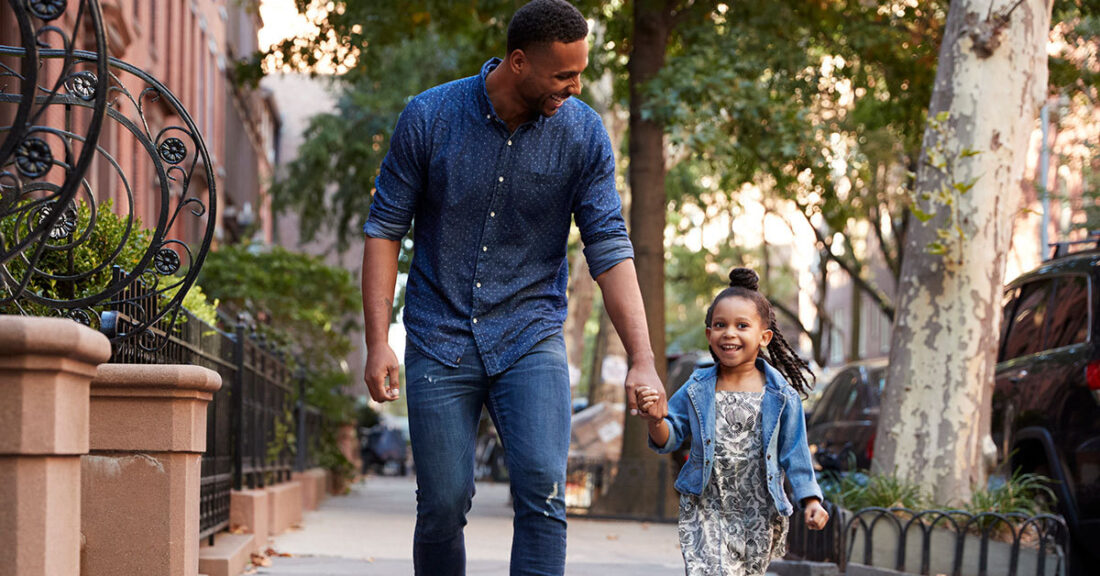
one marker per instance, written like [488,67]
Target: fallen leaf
[612,536]
[238,529]
[261,560]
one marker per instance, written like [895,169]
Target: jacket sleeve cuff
[811,491]
[605,254]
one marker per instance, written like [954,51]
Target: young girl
[744,416]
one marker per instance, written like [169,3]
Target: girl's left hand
[816,516]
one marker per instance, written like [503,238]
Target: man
[492,167]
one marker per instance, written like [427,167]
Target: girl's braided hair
[744,282]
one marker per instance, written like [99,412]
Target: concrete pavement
[369,533]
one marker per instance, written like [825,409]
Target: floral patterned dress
[733,528]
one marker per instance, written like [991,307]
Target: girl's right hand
[646,397]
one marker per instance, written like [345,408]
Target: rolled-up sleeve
[403,174]
[598,211]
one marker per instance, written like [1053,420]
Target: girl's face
[736,331]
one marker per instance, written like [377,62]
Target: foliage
[332,459]
[305,307]
[282,441]
[108,233]
[1022,493]
[856,490]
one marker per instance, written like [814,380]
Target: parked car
[1046,400]
[840,427]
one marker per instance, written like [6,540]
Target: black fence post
[238,407]
[302,429]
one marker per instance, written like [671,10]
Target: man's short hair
[543,22]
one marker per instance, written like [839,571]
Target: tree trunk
[636,489]
[992,75]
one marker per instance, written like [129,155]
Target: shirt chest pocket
[537,196]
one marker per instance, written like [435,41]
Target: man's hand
[645,375]
[382,365]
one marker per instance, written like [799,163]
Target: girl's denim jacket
[783,426]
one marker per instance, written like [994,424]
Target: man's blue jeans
[530,405]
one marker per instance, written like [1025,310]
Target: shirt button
[509,142]
[478,284]
[500,179]
[769,456]
[484,248]
[488,116]
[475,320]
[492,214]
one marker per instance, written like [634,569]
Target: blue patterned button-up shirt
[492,213]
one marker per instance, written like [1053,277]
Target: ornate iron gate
[52,218]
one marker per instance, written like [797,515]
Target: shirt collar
[488,113]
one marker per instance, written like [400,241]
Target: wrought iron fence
[263,399]
[248,421]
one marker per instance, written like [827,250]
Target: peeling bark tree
[991,78]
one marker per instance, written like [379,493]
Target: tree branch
[875,294]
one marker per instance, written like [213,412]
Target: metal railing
[956,542]
[250,417]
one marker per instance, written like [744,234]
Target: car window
[1008,309]
[1069,313]
[875,387]
[842,397]
[1025,333]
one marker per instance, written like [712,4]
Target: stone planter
[46,365]
[141,479]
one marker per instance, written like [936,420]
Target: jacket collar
[706,378]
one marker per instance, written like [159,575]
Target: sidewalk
[369,533]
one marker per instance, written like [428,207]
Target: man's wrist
[377,340]
[643,360]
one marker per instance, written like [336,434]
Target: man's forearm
[379,280]
[623,302]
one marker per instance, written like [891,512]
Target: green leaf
[921,214]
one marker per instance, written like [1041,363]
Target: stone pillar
[46,365]
[141,479]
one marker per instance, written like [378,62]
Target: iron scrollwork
[61,250]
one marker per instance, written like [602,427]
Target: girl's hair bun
[744,278]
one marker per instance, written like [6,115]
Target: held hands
[644,375]
[815,514]
[382,373]
[651,403]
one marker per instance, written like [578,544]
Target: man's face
[552,75]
